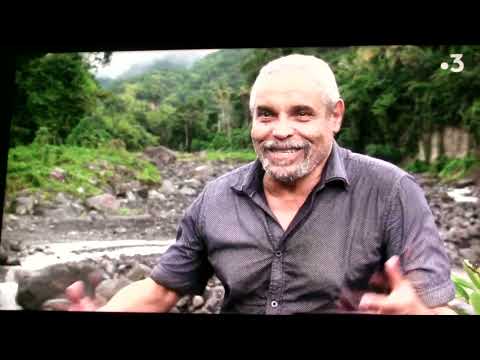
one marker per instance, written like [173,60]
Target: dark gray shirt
[362,211]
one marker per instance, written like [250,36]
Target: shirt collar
[251,180]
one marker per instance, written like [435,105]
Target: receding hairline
[319,71]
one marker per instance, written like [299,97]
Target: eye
[264,113]
[303,114]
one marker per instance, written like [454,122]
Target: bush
[418,166]
[29,169]
[90,132]
[384,152]
[469,290]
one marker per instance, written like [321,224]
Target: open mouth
[286,151]
[284,156]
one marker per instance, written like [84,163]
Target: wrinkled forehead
[290,85]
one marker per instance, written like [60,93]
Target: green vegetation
[446,169]
[245,156]
[87,171]
[394,95]
[469,291]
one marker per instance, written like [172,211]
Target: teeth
[286,150]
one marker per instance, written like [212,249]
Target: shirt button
[278,253]
[274,304]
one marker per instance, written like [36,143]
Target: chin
[285,176]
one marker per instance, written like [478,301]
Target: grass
[448,170]
[244,155]
[218,155]
[29,169]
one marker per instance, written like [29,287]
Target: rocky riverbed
[114,239]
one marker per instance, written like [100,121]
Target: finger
[379,281]
[84,304]
[372,302]
[95,278]
[75,292]
[393,272]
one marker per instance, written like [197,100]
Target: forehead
[288,88]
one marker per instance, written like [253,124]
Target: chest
[337,243]
[284,210]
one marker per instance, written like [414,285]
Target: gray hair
[318,69]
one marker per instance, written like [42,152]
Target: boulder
[24,205]
[124,188]
[58,174]
[160,155]
[168,187]
[104,202]
[109,287]
[138,272]
[197,301]
[39,286]
[464,182]
[60,304]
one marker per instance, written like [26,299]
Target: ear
[336,116]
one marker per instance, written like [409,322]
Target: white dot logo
[444,66]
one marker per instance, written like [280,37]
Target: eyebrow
[265,108]
[305,108]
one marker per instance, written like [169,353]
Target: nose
[282,128]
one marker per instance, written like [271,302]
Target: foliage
[53,91]
[29,169]
[446,169]
[469,290]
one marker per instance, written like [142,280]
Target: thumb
[393,272]
[75,292]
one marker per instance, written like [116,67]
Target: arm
[419,274]
[142,296]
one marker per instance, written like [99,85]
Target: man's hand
[402,299]
[79,300]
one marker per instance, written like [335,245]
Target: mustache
[273,145]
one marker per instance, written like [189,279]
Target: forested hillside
[394,96]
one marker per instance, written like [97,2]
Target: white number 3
[457,61]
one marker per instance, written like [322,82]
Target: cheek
[259,132]
[317,136]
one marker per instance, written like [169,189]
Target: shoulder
[224,184]
[365,169]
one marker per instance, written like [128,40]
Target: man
[305,228]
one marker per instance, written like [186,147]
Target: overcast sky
[121,61]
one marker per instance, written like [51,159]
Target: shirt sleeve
[184,267]
[413,234]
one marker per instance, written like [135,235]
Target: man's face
[292,128]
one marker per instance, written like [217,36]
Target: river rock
[105,202]
[464,182]
[197,301]
[184,301]
[109,287]
[39,286]
[58,174]
[24,205]
[168,187]
[124,188]
[468,254]
[155,195]
[160,155]
[188,191]
[138,272]
[60,304]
